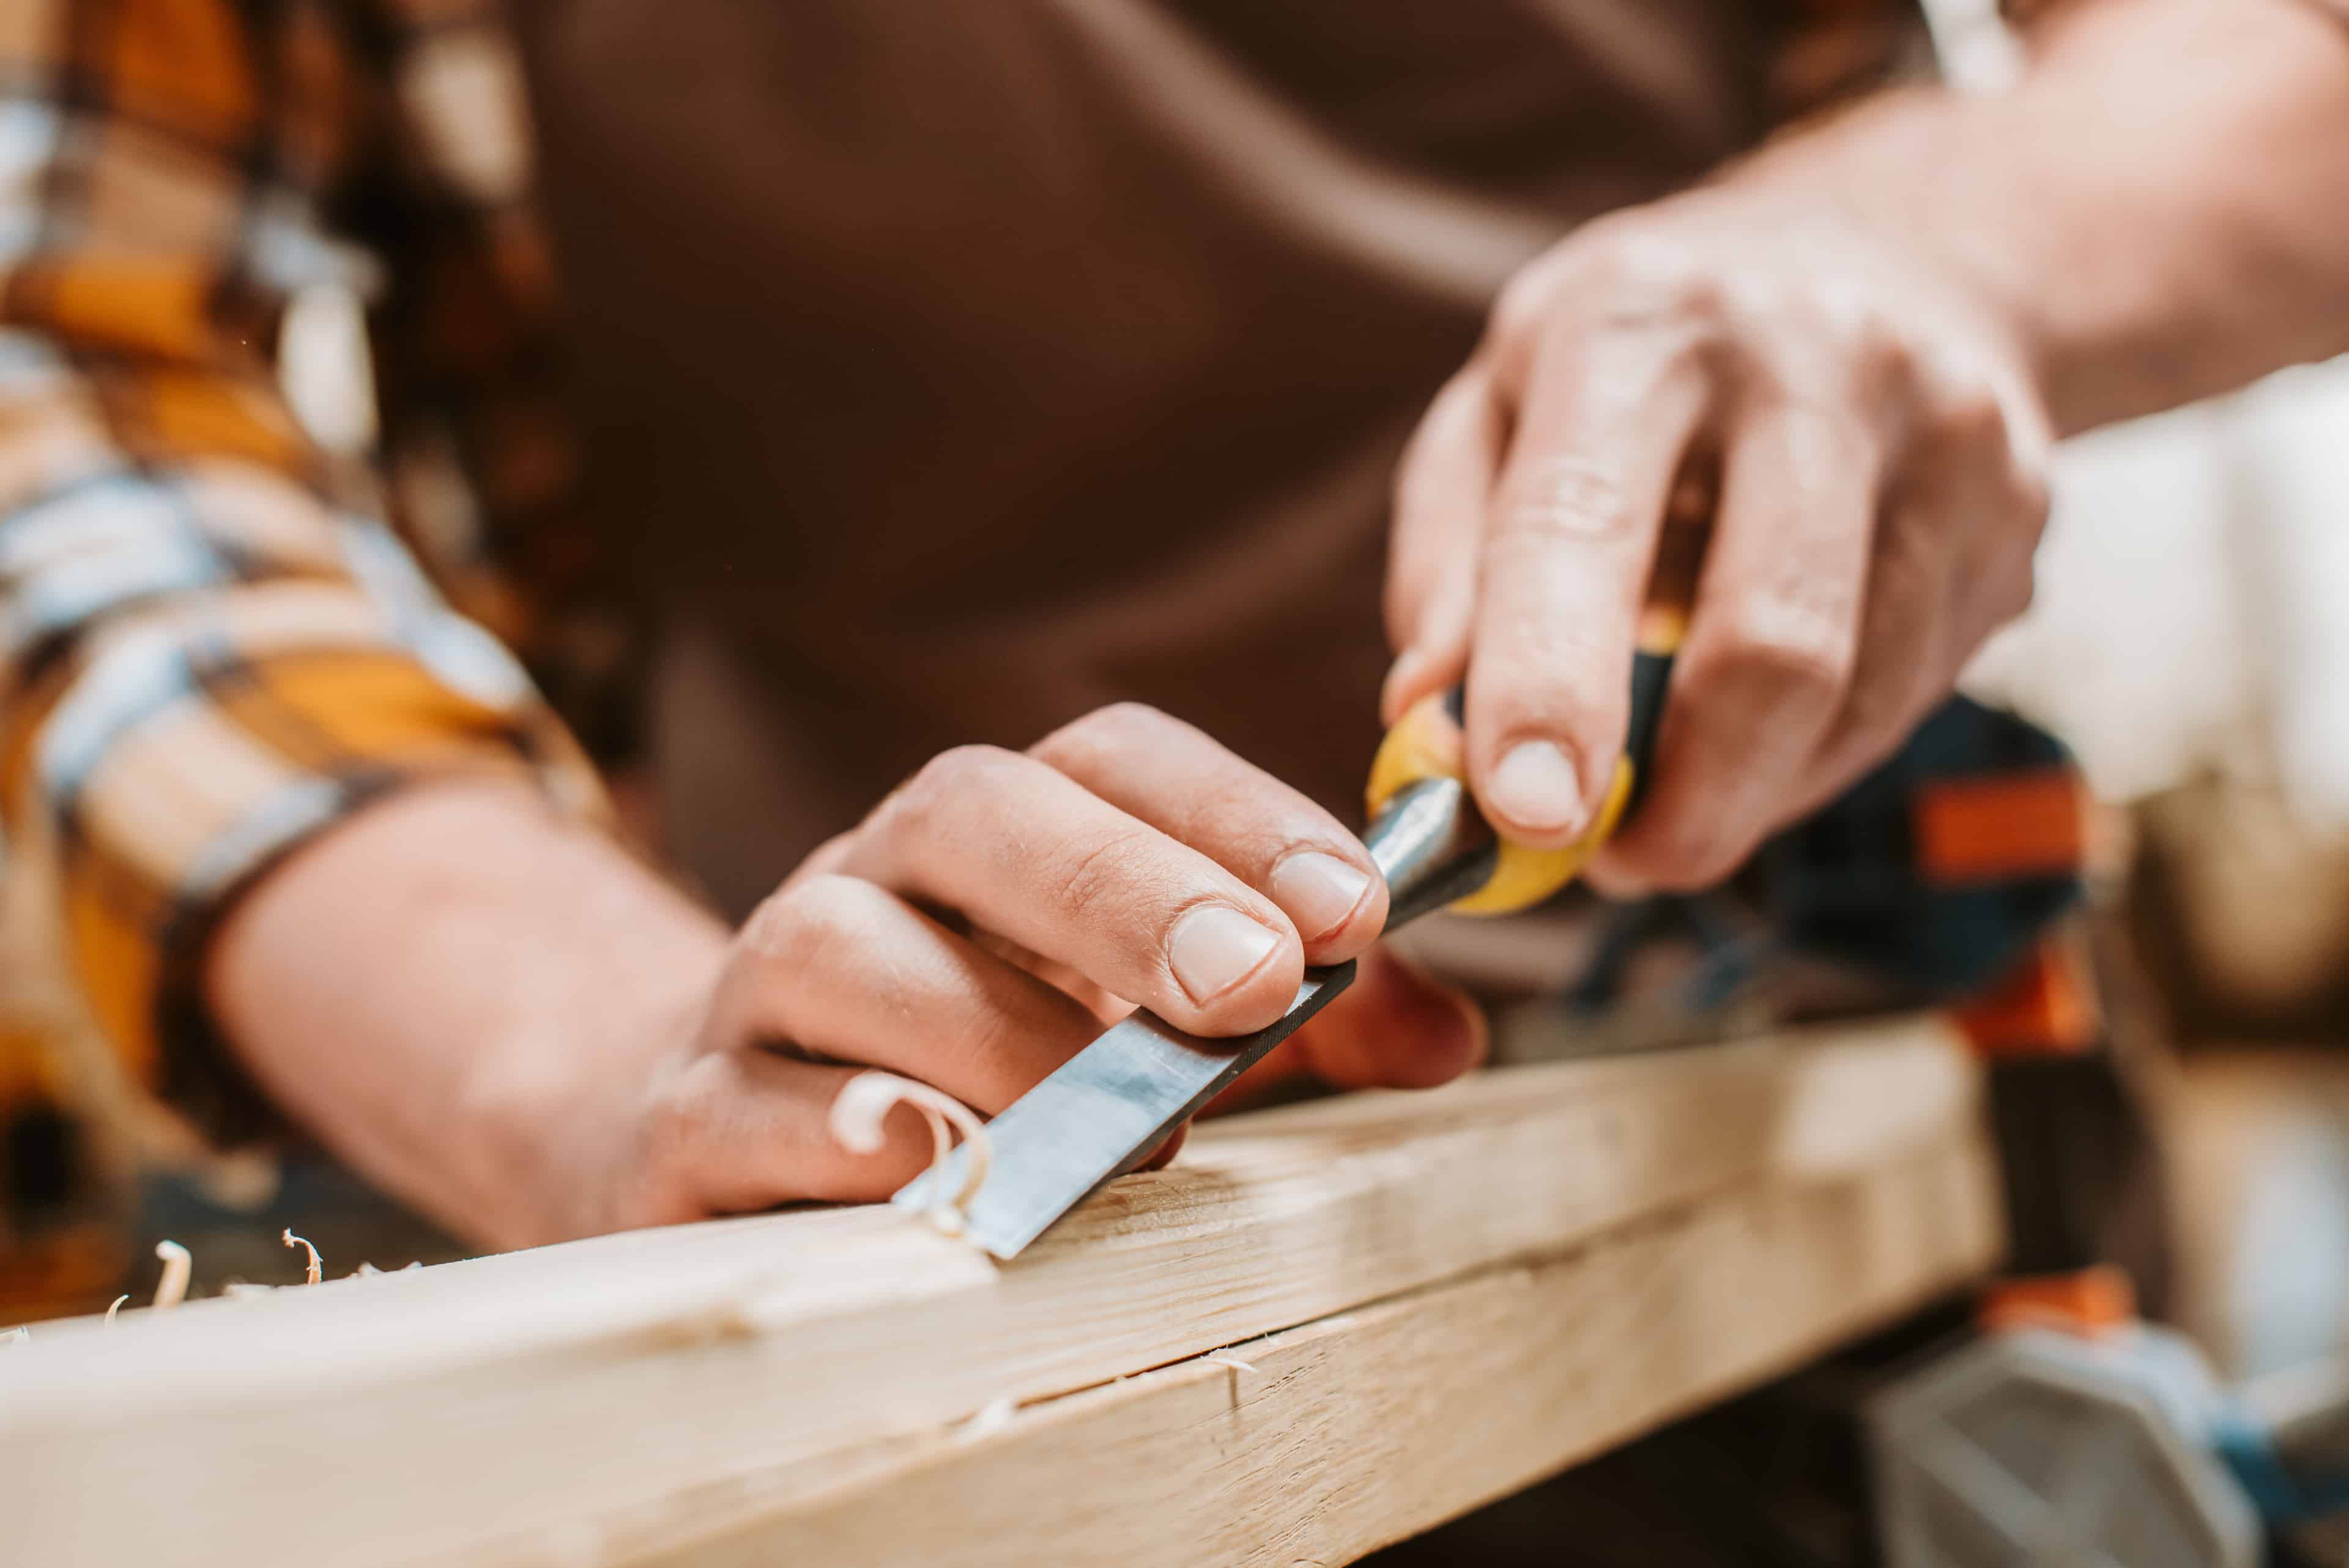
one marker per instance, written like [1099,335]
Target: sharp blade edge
[1104,1110]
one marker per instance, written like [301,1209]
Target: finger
[1562,574]
[846,969]
[1161,771]
[1021,849]
[1952,563]
[1442,488]
[1993,506]
[1904,665]
[1395,1028]
[1771,646]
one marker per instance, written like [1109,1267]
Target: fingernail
[1318,891]
[1535,787]
[1214,948]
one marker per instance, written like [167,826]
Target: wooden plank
[1353,1432]
[509,1409]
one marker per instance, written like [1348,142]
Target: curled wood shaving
[172,1288]
[115,1307]
[291,1240]
[866,1099]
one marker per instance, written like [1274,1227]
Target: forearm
[428,987]
[2161,208]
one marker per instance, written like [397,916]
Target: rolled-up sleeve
[212,646]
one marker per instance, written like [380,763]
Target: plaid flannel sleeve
[210,647]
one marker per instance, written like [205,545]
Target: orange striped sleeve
[212,646]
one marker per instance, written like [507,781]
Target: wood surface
[1462,1290]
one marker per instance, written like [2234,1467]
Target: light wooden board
[592,1403]
[1358,1429]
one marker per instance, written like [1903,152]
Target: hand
[980,927]
[1864,430]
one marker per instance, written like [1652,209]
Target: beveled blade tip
[1100,1113]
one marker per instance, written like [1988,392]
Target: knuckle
[1830,346]
[1569,497]
[1971,417]
[1106,879]
[1784,640]
[957,767]
[947,778]
[1523,305]
[775,929]
[1651,274]
[1633,272]
[809,923]
[1105,733]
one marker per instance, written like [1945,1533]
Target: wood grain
[585,1404]
[1354,1431]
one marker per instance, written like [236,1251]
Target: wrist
[547,1113]
[2151,216]
[457,992]
[1935,178]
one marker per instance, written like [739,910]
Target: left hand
[1860,423]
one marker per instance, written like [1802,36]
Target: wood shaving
[866,1100]
[177,1263]
[116,1306]
[317,1271]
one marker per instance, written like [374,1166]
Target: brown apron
[950,368]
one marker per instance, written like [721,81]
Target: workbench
[1328,1326]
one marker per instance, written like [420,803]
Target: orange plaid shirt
[214,639]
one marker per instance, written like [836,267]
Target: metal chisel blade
[1105,1109]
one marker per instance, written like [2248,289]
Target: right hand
[982,926]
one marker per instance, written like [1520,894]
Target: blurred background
[2187,643]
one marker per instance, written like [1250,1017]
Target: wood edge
[1924,1222]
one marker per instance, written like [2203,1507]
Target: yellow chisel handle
[1425,744]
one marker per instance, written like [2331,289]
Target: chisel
[1111,1104]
